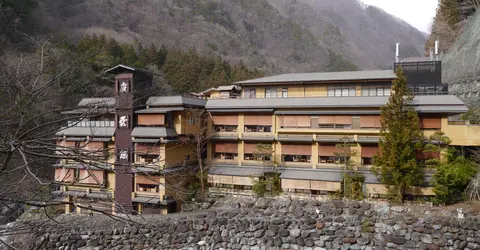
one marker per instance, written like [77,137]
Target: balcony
[258,136]
[294,138]
[330,130]
[233,135]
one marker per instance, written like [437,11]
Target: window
[224,94]
[296,158]
[258,128]
[147,188]
[256,157]
[148,158]
[375,91]
[338,92]
[367,161]
[331,92]
[226,156]
[250,93]
[284,93]
[380,91]
[225,128]
[332,159]
[271,93]
[191,120]
[326,125]
[341,91]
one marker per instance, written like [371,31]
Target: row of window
[292,158]
[332,92]
[87,123]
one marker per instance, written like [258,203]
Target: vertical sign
[123,142]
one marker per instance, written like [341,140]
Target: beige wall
[462,135]
[175,154]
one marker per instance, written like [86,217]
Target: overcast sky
[419,13]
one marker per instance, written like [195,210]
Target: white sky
[418,13]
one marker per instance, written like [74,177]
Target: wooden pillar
[314,158]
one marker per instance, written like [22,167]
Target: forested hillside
[275,36]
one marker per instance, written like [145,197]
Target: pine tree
[396,164]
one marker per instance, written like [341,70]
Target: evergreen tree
[396,163]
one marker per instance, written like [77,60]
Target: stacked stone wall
[275,224]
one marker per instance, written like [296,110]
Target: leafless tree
[198,140]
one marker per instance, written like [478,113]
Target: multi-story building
[123,153]
[133,151]
[304,116]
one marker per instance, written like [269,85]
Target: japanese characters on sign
[123,121]
[124,87]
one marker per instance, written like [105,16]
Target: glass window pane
[338,92]
[379,91]
[387,92]
[271,93]
[364,91]
[352,92]
[344,92]
[331,92]
[372,92]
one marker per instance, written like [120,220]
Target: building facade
[127,153]
[303,117]
[133,151]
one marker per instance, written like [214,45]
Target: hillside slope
[272,35]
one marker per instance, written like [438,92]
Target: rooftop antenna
[436,49]
[397,57]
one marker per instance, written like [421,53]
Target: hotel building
[142,153]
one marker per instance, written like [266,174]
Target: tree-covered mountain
[271,35]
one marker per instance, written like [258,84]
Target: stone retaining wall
[277,224]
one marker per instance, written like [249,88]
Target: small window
[331,92]
[338,92]
[364,91]
[191,120]
[284,93]
[386,92]
[380,92]
[372,92]
[352,92]
[250,93]
[344,92]
[224,94]
[271,93]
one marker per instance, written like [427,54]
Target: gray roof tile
[435,101]
[332,175]
[153,132]
[100,102]
[228,88]
[236,171]
[158,110]
[87,131]
[323,77]
[175,101]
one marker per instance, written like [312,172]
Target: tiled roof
[175,101]
[153,132]
[100,102]
[323,77]
[236,171]
[158,110]
[434,101]
[87,131]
